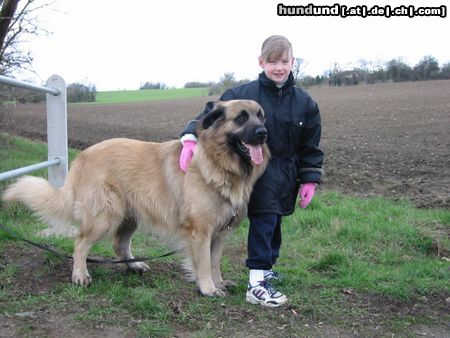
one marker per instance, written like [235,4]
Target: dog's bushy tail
[53,205]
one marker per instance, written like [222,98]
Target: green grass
[18,152]
[376,245]
[126,96]
[340,258]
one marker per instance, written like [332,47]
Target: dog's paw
[82,279]
[214,293]
[224,284]
[228,283]
[139,267]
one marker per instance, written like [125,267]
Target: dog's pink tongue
[256,153]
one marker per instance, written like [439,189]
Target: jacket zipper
[280,94]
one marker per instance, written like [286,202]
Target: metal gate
[57,162]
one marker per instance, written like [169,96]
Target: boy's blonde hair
[274,47]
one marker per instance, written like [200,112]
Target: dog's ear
[217,113]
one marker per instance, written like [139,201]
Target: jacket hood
[273,86]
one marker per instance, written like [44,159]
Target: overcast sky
[118,44]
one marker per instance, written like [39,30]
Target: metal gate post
[57,131]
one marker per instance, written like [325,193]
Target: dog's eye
[260,115]
[241,118]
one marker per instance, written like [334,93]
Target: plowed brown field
[389,139]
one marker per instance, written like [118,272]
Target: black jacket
[294,130]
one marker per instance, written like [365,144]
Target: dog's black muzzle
[261,135]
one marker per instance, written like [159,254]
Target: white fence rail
[57,163]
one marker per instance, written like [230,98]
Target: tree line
[395,70]
[18,20]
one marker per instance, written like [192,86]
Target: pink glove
[186,154]
[306,194]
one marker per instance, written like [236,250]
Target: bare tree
[298,69]
[17,20]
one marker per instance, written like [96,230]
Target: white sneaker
[272,276]
[265,294]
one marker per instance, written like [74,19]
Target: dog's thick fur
[117,184]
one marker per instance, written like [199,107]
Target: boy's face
[277,70]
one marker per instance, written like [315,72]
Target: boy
[294,131]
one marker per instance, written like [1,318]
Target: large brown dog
[117,184]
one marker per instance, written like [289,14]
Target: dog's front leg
[216,260]
[200,250]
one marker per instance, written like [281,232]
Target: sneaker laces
[273,275]
[269,287]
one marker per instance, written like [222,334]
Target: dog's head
[237,127]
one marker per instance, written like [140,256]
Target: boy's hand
[186,154]
[306,194]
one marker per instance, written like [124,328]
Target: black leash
[56,252]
